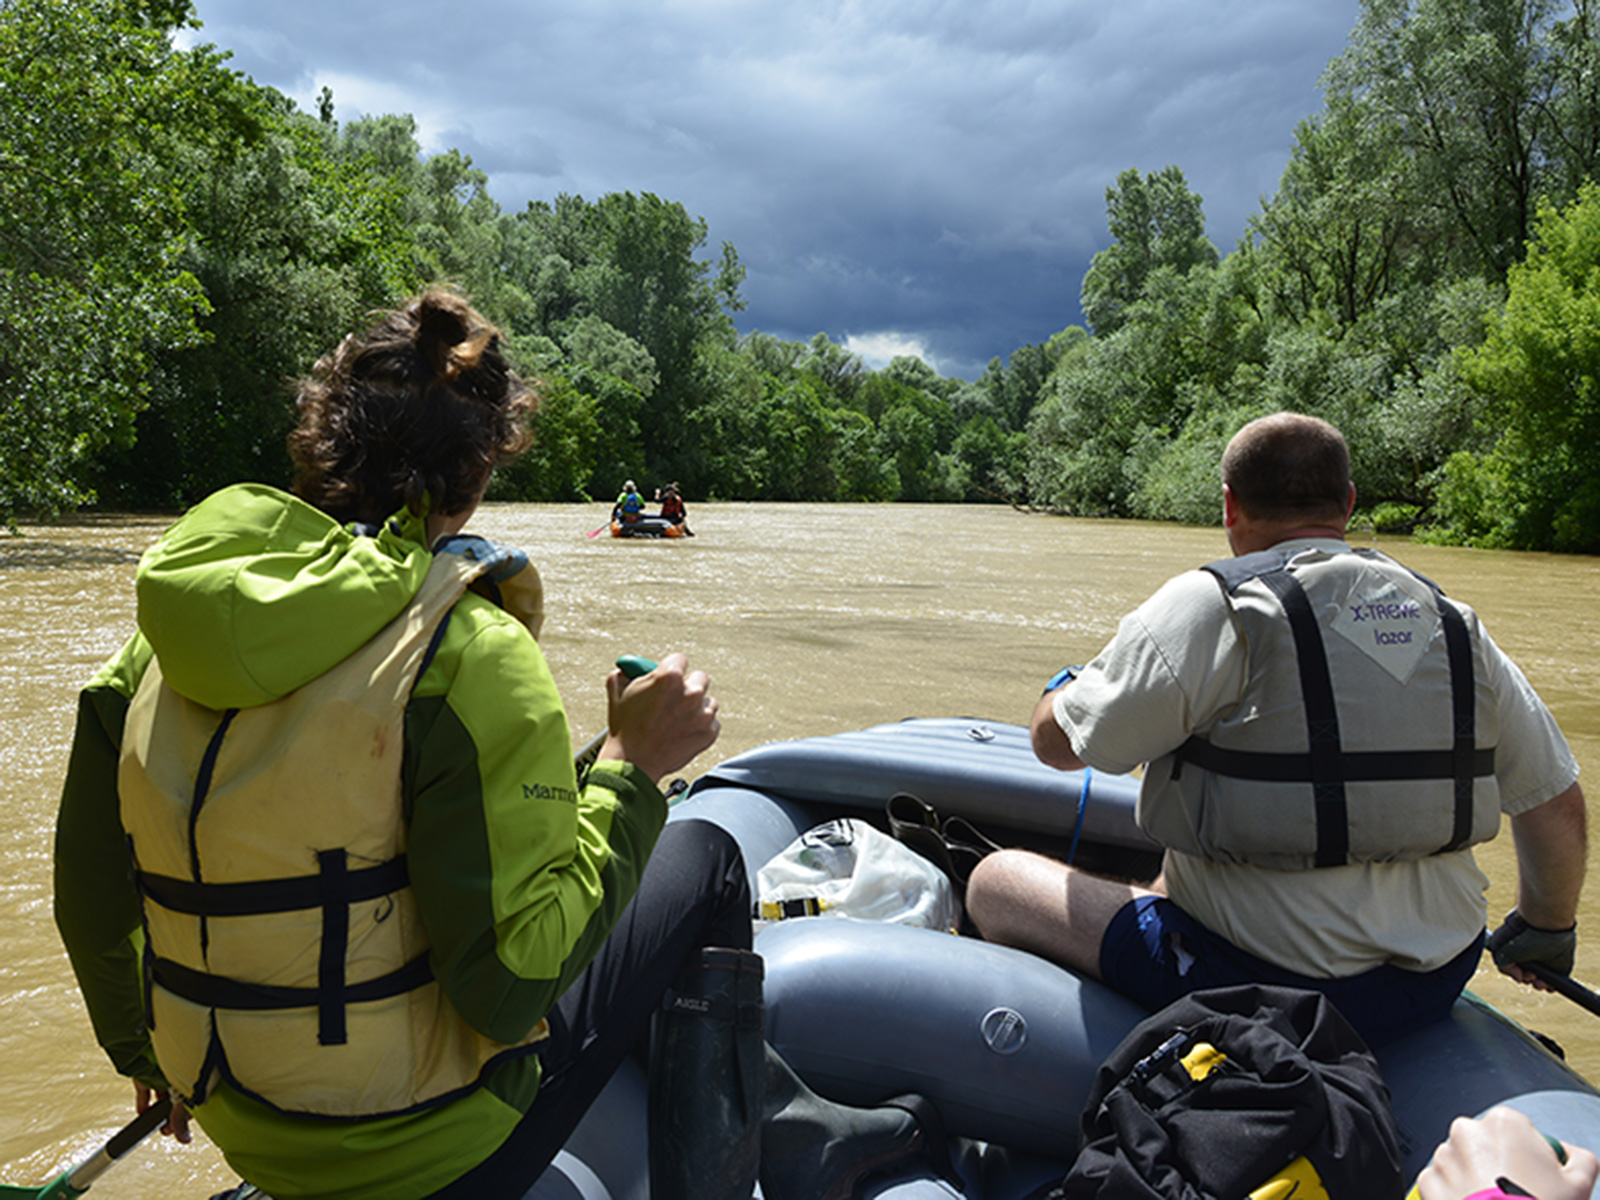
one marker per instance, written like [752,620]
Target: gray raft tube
[1005,1043]
[984,771]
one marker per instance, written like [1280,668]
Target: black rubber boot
[815,1149]
[706,1081]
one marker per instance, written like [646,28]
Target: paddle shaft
[77,1179]
[125,1139]
[1569,987]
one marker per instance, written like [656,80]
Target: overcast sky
[907,176]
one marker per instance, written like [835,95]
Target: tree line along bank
[177,241]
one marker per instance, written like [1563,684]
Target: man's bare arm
[1552,847]
[1050,744]
[1552,850]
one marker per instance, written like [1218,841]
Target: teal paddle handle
[633,666]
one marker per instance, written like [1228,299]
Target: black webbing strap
[1322,720]
[782,910]
[147,962]
[333,890]
[202,789]
[218,991]
[334,880]
[1356,766]
[433,649]
[1463,703]
[269,895]
[202,783]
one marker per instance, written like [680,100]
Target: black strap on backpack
[1225,1090]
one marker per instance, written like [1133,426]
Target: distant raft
[647,526]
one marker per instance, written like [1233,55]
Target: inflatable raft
[1005,1043]
[646,526]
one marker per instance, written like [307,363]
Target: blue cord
[1083,803]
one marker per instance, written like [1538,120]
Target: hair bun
[445,337]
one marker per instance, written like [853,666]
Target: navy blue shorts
[1155,952]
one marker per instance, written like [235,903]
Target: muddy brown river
[810,618]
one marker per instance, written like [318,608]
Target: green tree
[1470,90]
[294,244]
[860,470]
[992,460]
[1340,234]
[839,369]
[1539,370]
[1113,400]
[567,443]
[457,234]
[907,439]
[1574,111]
[1156,222]
[770,354]
[90,233]
[632,262]
[592,342]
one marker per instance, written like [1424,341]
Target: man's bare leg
[1018,898]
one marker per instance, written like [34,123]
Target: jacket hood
[255,592]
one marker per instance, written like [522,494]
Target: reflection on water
[810,619]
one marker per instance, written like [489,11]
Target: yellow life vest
[284,949]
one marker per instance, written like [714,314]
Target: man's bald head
[1289,468]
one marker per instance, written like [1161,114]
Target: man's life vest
[1366,732]
[284,950]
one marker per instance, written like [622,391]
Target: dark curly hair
[415,412]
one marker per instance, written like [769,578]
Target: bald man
[1325,737]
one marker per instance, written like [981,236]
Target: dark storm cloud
[935,171]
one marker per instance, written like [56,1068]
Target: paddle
[1566,985]
[633,667]
[604,527]
[76,1180]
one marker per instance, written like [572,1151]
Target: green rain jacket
[519,874]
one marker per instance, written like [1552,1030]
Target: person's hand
[1504,1144]
[660,721]
[177,1121]
[1517,942]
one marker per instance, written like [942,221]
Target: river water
[810,618]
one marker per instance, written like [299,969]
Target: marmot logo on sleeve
[543,791]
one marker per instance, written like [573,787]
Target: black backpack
[1216,1095]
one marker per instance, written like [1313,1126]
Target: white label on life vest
[1391,620]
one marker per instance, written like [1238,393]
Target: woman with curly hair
[326,870]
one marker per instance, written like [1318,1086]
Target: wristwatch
[1065,675]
